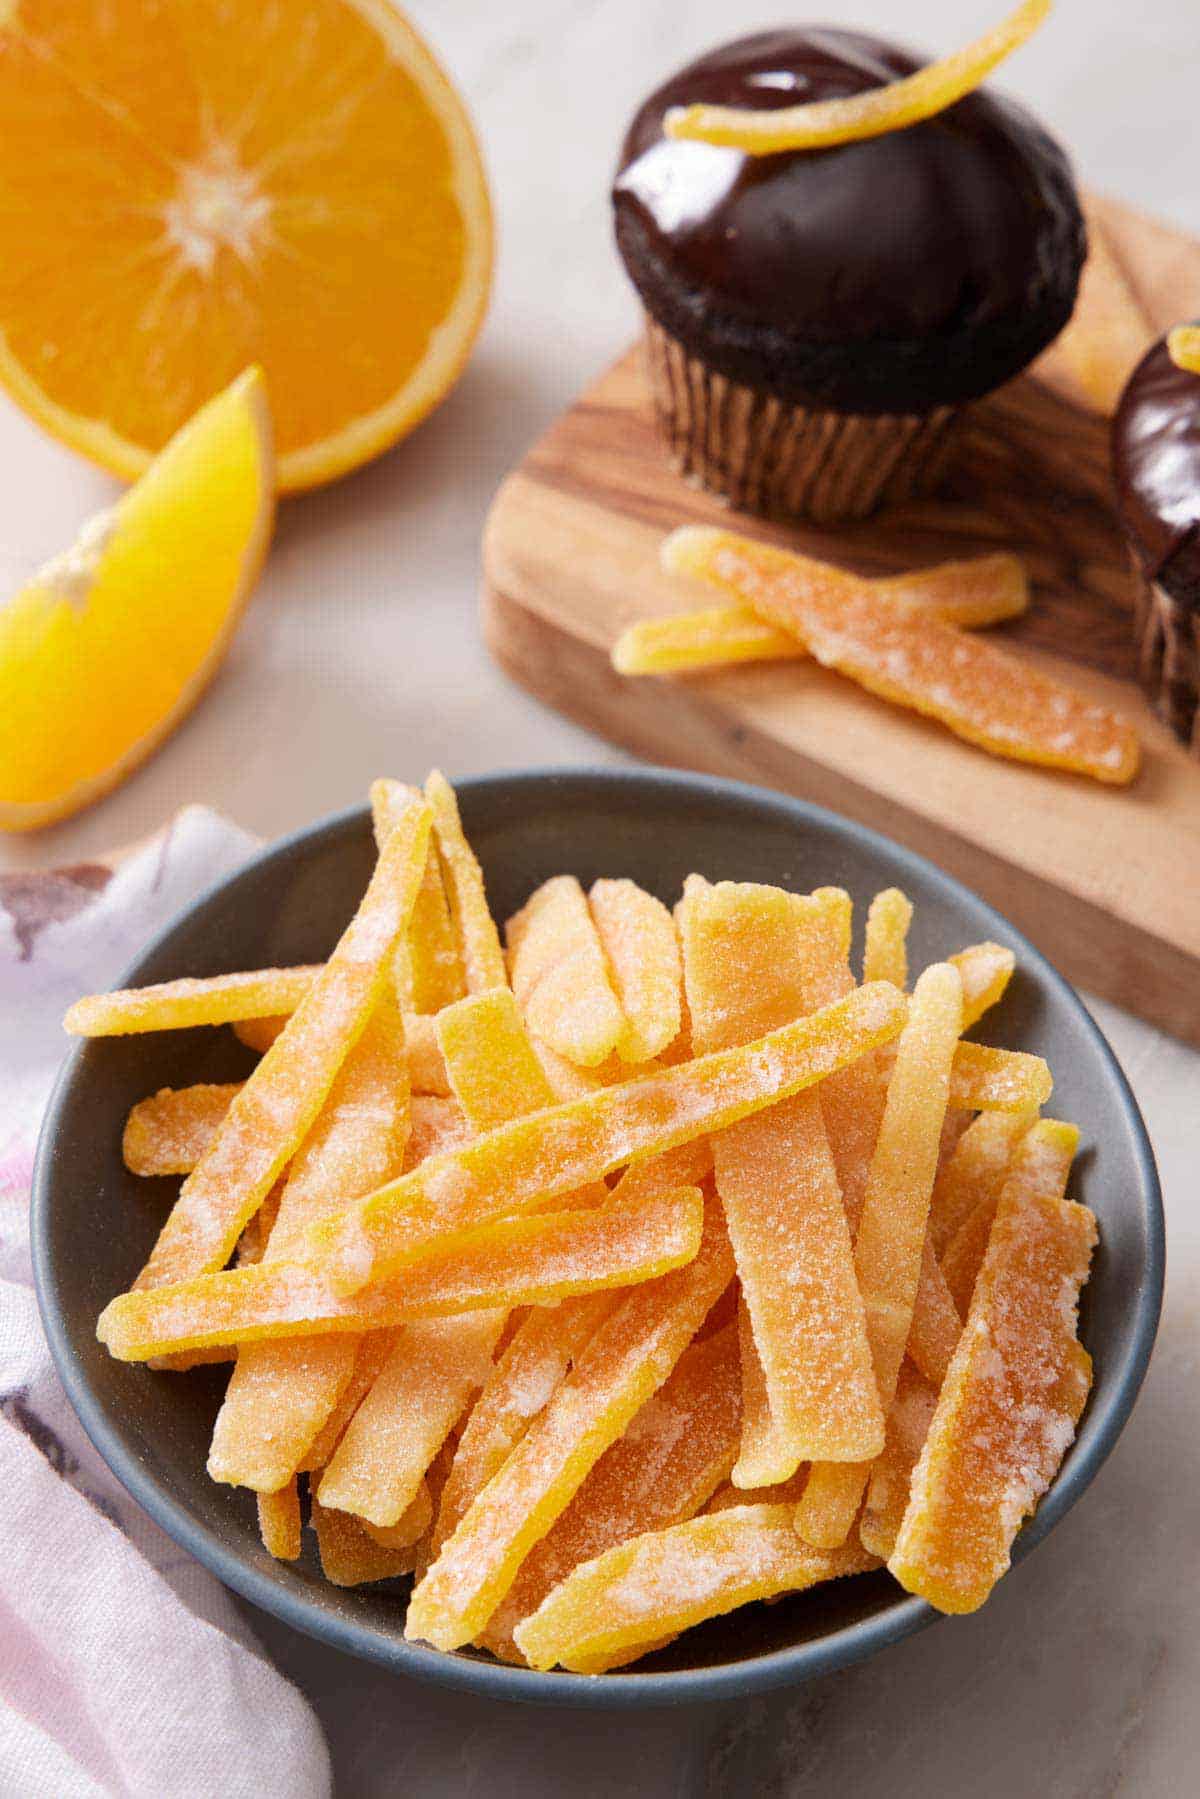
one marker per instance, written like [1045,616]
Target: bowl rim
[498,1680]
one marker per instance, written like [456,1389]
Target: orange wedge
[110,644]
[187,189]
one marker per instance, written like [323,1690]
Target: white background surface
[361,655]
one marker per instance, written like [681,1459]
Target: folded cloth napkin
[125,1669]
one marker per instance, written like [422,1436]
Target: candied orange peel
[665,1581]
[984,590]
[627,1360]
[560,975]
[269,1118]
[169,1132]
[1183,347]
[1015,1391]
[754,957]
[821,124]
[179,1005]
[561,1149]
[594,1352]
[891,1234]
[977,690]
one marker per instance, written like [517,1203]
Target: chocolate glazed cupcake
[816,319]
[1156,470]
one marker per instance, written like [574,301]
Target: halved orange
[109,645]
[188,187]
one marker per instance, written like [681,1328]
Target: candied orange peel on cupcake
[815,322]
[820,124]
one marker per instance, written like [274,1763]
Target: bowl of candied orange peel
[514,1234]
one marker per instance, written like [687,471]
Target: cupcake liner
[1168,640]
[770,456]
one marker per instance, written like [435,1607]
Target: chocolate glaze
[900,273]
[1156,471]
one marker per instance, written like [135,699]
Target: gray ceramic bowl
[93,1223]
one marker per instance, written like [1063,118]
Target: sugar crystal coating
[891,1234]
[1014,1392]
[560,976]
[637,936]
[627,1360]
[978,690]
[170,1131]
[667,1580]
[268,1119]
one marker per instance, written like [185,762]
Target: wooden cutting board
[1106,881]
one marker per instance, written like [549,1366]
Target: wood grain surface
[1106,881]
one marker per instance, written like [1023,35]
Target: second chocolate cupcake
[816,319]
[1156,471]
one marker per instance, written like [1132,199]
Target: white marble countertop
[361,654]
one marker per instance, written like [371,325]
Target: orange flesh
[188,189]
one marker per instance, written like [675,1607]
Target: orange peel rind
[977,690]
[821,124]
[633,1596]
[1015,1390]
[1183,347]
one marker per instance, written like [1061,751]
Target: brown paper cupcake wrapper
[772,457]
[1168,639]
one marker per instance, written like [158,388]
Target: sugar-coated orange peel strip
[667,1580]
[560,976]
[544,1346]
[371,1351]
[490,1061]
[963,1256]
[350,1556]
[522,1382]
[170,1131]
[536,1260]
[434,1366]
[410,1527]
[979,590]
[674,1453]
[561,1149]
[891,1234]
[475,930]
[897,105]
[180,1005]
[985,969]
[936,1321]
[985,590]
[891,1476]
[983,1079]
[1183,347]
[495,1072]
[279,1522]
[427,968]
[627,1360]
[885,952]
[426,1070]
[269,1118]
[436,1126]
[778,1185]
[1015,1390]
[281,1394]
[974,1171]
[637,936]
[979,691]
